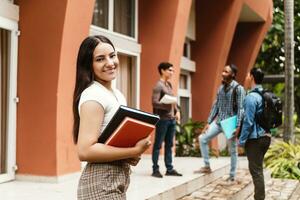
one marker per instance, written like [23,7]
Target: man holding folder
[165,105]
[229,102]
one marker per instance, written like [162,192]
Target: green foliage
[186,137]
[271,57]
[283,159]
[225,152]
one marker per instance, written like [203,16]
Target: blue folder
[229,126]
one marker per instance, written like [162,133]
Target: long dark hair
[84,73]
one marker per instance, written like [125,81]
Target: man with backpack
[229,102]
[262,111]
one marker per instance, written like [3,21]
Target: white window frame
[136,63]
[124,44]
[186,92]
[111,23]
[10,23]
[188,45]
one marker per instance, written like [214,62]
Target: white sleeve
[121,97]
[91,94]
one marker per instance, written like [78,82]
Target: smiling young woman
[106,175]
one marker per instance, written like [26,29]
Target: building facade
[39,41]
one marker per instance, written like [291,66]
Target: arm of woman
[91,116]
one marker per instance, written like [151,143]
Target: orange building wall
[162,30]
[48,47]
[50,37]
[214,34]
[261,8]
[221,40]
[248,39]
[76,28]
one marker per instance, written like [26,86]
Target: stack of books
[127,127]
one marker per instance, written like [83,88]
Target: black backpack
[271,116]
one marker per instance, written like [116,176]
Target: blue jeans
[165,131]
[214,130]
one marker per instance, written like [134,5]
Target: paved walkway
[142,185]
[276,189]
[222,189]
[279,189]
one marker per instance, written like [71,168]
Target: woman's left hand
[133,161]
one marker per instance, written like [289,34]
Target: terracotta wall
[220,39]
[76,28]
[248,39]
[50,36]
[51,32]
[162,29]
[214,34]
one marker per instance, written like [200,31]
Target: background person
[224,107]
[165,128]
[253,137]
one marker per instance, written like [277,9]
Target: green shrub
[283,159]
[186,138]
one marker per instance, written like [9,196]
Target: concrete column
[214,34]
[248,39]
[220,40]
[51,33]
[162,30]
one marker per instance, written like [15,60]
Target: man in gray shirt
[165,128]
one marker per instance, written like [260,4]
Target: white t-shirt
[109,100]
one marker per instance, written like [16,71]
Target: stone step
[192,185]
[221,189]
[283,189]
[296,193]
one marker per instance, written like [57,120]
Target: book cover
[229,126]
[119,117]
[129,132]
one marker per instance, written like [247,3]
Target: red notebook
[129,132]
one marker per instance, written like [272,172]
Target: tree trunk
[289,71]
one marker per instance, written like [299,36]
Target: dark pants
[165,131]
[255,151]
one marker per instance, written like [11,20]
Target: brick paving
[221,189]
[296,194]
[282,189]
[276,189]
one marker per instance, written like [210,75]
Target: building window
[187,48]
[183,81]
[124,17]
[185,109]
[116,15]
[4,74]
[100,17]
[117,20]
[184,93]
[126,79]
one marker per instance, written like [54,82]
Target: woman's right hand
[143,145]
